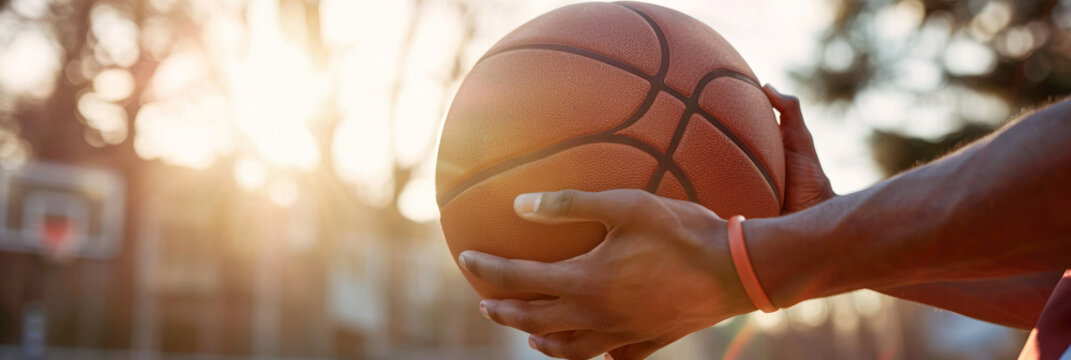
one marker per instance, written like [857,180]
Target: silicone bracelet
[742,261]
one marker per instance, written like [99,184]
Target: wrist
[770,265]
[730,299]
[744,270]
[795,259]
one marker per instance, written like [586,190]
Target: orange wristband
[742,261]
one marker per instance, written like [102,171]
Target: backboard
[61,210]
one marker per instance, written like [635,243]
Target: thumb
[565,206]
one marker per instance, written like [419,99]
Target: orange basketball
[600,96]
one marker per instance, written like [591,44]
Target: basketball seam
[659,88]
[600,138]
[657,84]
[692,107]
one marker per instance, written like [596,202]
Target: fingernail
[532,343]
[483,310]
[527,203]
[461,261]
[607,356]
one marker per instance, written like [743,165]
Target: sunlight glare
[362,156]
[250,173]
[991,20]
[983,107]
[772,323]
[104,116]
[188,132]
[900,20]
[13,150]
[157,37]
[811,313]
[33,9]
[437,34]
[163,5]
[417,200]
[276,92]
[845,318]
[868,302]
[420,103]
[344,22]
[30,63]
[361,145]
[968,57]
[892,109]
[116,33]
[225,38]
[1017,42]
[919,75]
[839,55]
[283,192]
[113,84]
[176,76]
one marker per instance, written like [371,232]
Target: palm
[805,182]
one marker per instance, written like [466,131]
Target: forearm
[1014,301]
[1000,207]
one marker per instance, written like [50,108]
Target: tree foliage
[984,59]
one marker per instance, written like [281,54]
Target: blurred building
[197,265]
[205,268]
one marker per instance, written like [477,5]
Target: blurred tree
[110,58]
[968,63]
[55,120]
[929,76]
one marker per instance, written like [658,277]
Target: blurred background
[231,179]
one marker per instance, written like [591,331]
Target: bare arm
[1015,301]
[1000,207]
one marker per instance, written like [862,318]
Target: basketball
[600,96]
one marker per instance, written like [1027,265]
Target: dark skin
[1015,301]
[991,216]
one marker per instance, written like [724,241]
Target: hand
[663,271]
[806,184]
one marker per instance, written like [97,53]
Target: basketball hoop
[61,212]
[59,238]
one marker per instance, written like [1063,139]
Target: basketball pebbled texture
[600,96]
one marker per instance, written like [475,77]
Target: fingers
[608,207]
[794,132]
[538,317]
[512,274]
[637,351]
[575,344]
[787,105]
